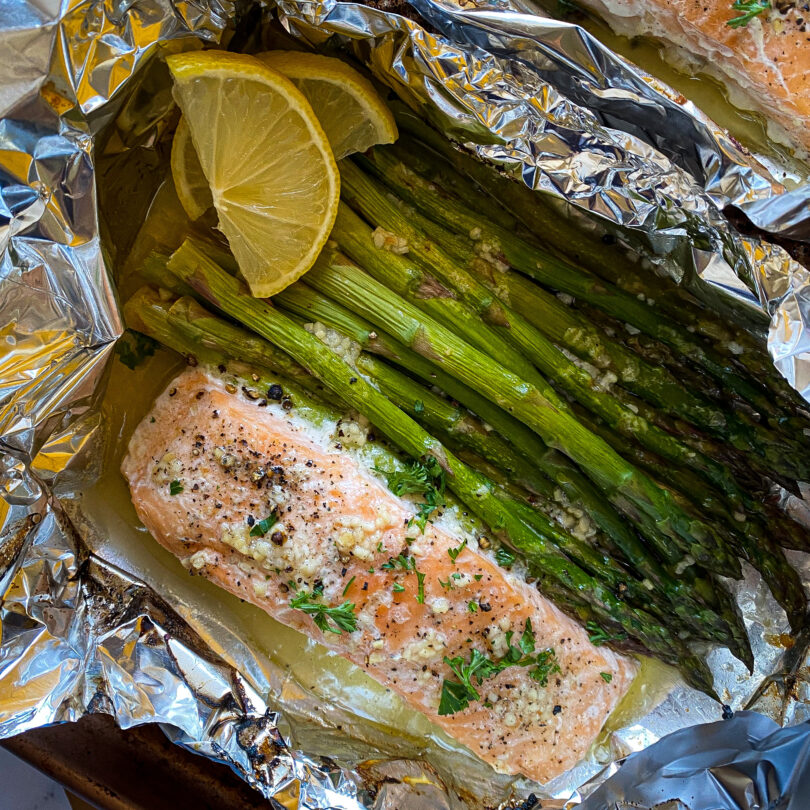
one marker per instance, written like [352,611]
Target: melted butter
[228,622]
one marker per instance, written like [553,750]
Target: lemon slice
[350,110]
[189,180]
[272,176]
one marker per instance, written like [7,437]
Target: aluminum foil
[617,148]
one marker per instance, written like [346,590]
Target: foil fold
[539,98]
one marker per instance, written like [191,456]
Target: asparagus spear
[407,279]
[558,274]
[601,256]
[636,495]
[374,204]
[654,383]
[226,293]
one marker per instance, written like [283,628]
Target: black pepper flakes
[275,392]
[556,710]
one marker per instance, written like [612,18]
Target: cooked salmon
[247,496]
[767,58]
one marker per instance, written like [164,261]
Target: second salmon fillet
[244,494]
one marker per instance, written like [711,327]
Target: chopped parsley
[398,587]
[327,619]
[133,348]
[261,527]
[606,677]
[380,548]
[478,577]
[454,552]
[448,585]
[598,636]
[400,561]
[749,9]
[175,487]
[407,564]
[472,606]
[425,478]
[348,585]
[504,557]
[457,694]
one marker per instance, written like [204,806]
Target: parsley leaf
[546,664]
[598,636]
[261,528]
[425,478]
[342,618]
[504,557]
[472,606]
[456,695]
[407,564]
[133,348]
[749,9]
[606,677]
[348,585]
[454,552]
[398,587]
[420,587]
[175,488]
[400,561]
[454,698]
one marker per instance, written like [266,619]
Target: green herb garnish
[348,585]
[456,695]
[407,564]
[398,587]
[472,606]
[504,557]
[454,552]
[400,561]
[175,488]
[425,478]
[598,636]
[133,348]
[342,618]
[606,677]
[261,527]
[749,9]
[448,585]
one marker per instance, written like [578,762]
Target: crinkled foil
[575,121]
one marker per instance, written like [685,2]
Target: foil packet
[83,631]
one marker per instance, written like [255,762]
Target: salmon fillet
[767,60]
[232,461]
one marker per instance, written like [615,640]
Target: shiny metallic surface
[539,98]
